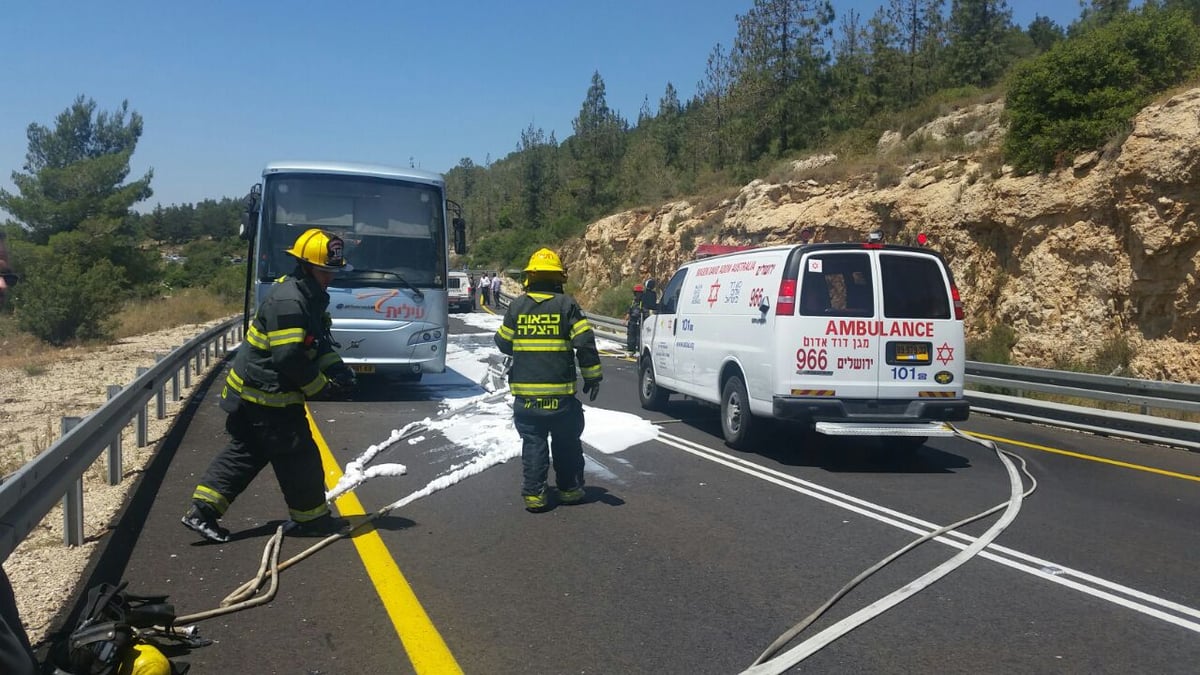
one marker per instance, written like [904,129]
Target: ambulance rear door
[829,349]
[922,347]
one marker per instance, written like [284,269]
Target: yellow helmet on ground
[544,260]
[144,659]
[321,249]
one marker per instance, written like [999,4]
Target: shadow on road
[793,445]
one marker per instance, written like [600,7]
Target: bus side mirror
[250,213]
[460,236]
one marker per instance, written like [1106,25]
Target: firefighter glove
[591,388]
[345,378]
[334,391]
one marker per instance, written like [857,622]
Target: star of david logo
[945,353]
[714,292]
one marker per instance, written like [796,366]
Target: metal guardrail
[1148,396]
[29,493]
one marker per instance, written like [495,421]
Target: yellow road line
[1093,458]
[421,640]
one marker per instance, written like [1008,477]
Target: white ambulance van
[861,339]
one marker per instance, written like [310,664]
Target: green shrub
[1113,356]
[63,297]
[614,302]
[228,283]
[995,347]
[1082,92]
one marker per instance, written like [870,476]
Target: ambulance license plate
[908,352]
[362,367]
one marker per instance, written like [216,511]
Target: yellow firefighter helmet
[144,659]
[544,260]
[321,249]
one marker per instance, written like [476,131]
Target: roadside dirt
[33,402]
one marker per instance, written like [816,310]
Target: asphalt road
[688,557]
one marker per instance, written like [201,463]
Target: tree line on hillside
[797,79]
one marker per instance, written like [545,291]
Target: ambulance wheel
[737,424]
[652,396]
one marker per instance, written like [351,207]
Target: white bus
[390,311]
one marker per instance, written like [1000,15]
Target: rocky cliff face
[1104,252]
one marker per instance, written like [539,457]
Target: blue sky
[224,87]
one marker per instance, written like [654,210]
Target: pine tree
[73,206]
[597,147]
[779,59]
[976,32]
[713,93]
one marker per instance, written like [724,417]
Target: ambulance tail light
[958,306]
[786,304]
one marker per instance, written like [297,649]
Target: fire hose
[244,596]
[771,663]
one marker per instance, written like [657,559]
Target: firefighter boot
[535,503]
[572,496]
[203,520]
[324,526]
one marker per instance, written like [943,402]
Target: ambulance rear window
[837,284]
[914,287]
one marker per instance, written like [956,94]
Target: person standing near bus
[545,332]
[286,358]
[496,288]
[485,288]
[16,654]
[633,320]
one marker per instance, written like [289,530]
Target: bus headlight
[424,337]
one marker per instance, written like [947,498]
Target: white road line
[1061,575]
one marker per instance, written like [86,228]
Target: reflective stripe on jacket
[287,349]
[546,333]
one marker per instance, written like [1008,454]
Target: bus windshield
[393,230]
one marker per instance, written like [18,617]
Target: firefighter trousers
[16,655]
[258,436]
[551,435]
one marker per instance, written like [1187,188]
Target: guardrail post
[206,346]
[160,396]
[187,373]
[224,345]
[142,414]
[73,500]
[175,386]
[115,459]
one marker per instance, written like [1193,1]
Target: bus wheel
[737,424]
[652,396]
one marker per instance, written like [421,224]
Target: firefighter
[545,332]
[286,358]
[633,320]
